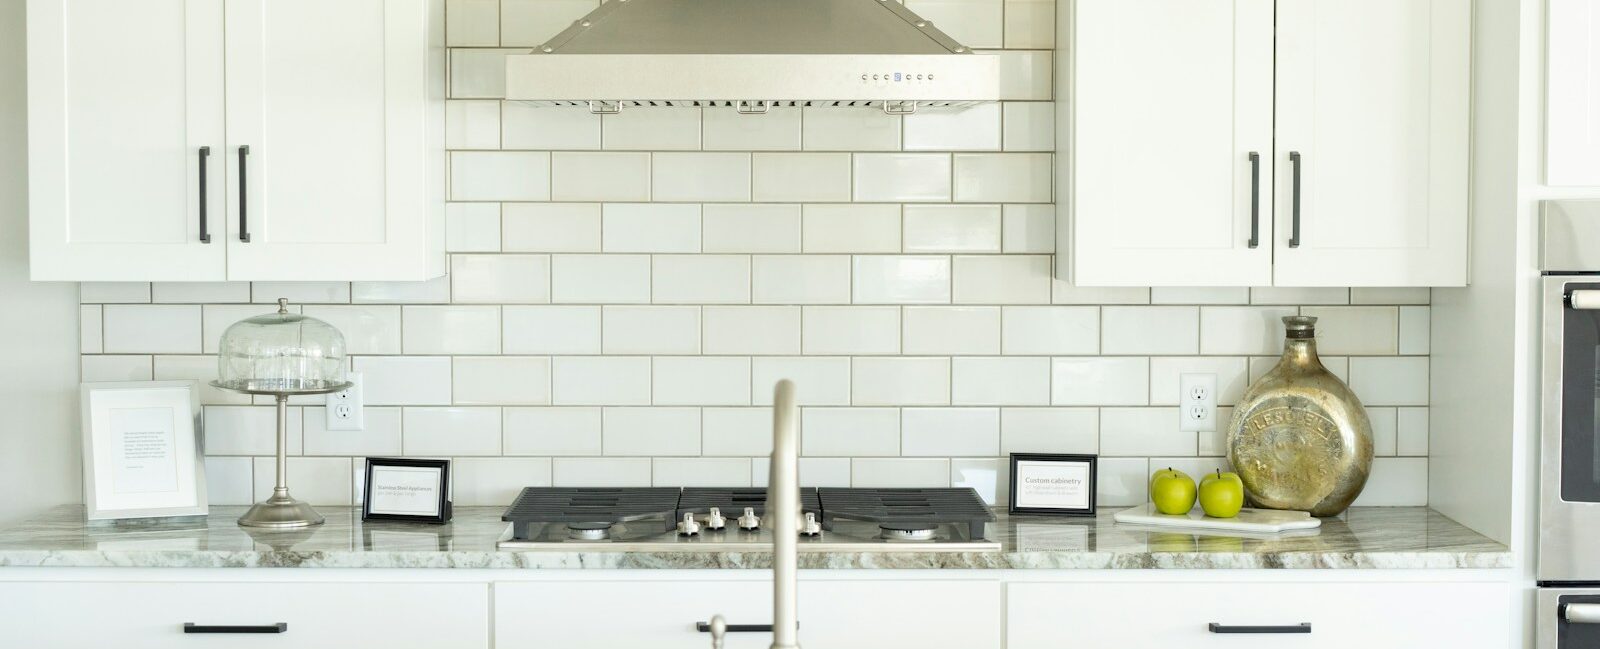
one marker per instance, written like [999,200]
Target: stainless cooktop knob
[810,527]
[749,521]
[715,521]
[687,527]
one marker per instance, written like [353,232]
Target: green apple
[1222,494]
[1172,491]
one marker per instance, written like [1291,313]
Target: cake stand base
[281,511]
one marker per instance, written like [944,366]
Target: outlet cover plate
[346,408]
[1197,402]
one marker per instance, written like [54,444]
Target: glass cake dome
[281,353]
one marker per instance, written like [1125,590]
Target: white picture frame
[143,450]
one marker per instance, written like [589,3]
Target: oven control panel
[895,77]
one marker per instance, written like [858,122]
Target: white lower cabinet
[663,614]
[1460,615]
[151,615]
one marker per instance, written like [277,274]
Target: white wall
[38,325]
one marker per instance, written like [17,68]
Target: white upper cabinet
[125,140]
[321,126]
[1171,173]
[1572,94]
[1373,96]
[1195,124]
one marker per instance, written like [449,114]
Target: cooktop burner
[897,508]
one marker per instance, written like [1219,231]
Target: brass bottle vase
[1300,439]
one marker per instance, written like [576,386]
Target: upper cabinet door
[1372,142]
[123,97]
[335,163]
[1171,170]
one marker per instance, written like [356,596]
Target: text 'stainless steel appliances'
[1568,605]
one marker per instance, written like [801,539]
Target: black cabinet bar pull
[1255,199]
[205,154]
[1303,627]
[1294,223]
[244,223]
[281,627]
[705,627]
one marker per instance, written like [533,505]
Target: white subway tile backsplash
[1191,295]
[755,330]
[736,431]
[600,279]
[552,431]
[1390,295]
[380,434]
[750,228]
[550,227]
[500,279]
[527,23]
[800,279]
[951,331]
[200,292]
[1064,293]
[472,124]
[601,472]
[1384,432]
[709,177]
[518,380]
[404,380]
[321,481]
[701,381]
[700,279]
[1100,381]
[1411,431]
[229,481]
[851,228]
[249,430]
[195,368]
[451,431]
[1009,381]
[158,329]
[800,177]
[987,476]
[1289,296]
[726,129]
[973,23]
[132,368]
[1149,330]
[451,329]
[472,23]
[1049,430]
[902,177]
[1415,325]
[1122,482]
[1025,74]
[1144,431]
[849,128]
[1165,374]
[1050,330]
[650,227]
[91,334]
[526,125]
[433,291]
[850,432]
[595,176]
[1003,177]
[550,329]
[1030,24]
[1002,279]
[702,471]
[595,380]
[972,128]
[900,381]
[818,381]
[946,432]
[901,279]
[472,227]
[1356,329]
[829,330]
[495,481]
[1390,381]
[1029,126]
[651,431]
[1396,482]
[500,176]
[300,292]
[1242,329]
[479,73]
[952,228]
[1029,228]
[899,472]
[114,292]
[652,128]
[367,329]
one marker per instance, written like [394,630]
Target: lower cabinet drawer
[1340,615]
[128,615]
[663,614]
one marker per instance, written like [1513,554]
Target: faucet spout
[783,510]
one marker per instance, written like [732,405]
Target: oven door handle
[1581,613]
[1584,299]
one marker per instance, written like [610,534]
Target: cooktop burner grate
[899,507]
[591,505]
[733,500]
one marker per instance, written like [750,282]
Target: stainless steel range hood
[753,53]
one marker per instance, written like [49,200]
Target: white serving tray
[1249,520]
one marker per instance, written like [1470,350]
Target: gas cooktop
[705,519]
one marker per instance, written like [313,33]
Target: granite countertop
[1375,537]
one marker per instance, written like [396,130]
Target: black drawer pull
[244,223]
[1255,199]
[205,234]
[190,627]
[705,627]
[1303,627]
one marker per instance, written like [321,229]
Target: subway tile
[159,329]
[550,227]
[997,279]
[502,380]
[708,177]
[472,23]
[114,292]
[472,124]
[1049,430]
[1100,381]
[1390,295]
[850,330]
[202,369]
[1064,293]
[451,330]
[725,129]
[230,481]
[947,330]
[902,177]
[1356,329]
[1030,24]
[495,481]
[701,381]
[527,125]
[1291,296]
[902,381]
[1214,443]
[249,430]
[124,368]
[1028,229]
[594,176]
[451,431]
[972,128]
[1050,330]
[367,329]
[200,292]
[1029,126]
[601,472]
[1144,431]
[800,177]
[1166,375]
[1003,177]
[320,481]
[1242,329]
[380,434]
[300,292]
[1007,381]
[600,279]
[818,381]
[404,380]
[472,227]
[899,472]
[1122,482]
[814,472]
[1149,330]
[1390,381]
[952,228]
[700,279]
[851,228]
[987,476]
[500,279]
[1384,433]
[479,73]
[550,329]
[652,128]
[1411,431]
[651,431]
[944,432]
[91,335]
[973,23]
[849,128]
[752,330]
[1396,482]
[527,23]
[736,431]
[701,471]
[800,279]
[850,432]
[750,228]
[1192,295]
[552,431]
[650,227]
[1338,365]
[500,176]
[1025,75]
[434,291]
[901,279]
[595,380]
[1415,322]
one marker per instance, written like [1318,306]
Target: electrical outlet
[1197,402]
[346,407]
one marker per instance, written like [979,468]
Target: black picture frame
[1094,472]
[444,490]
